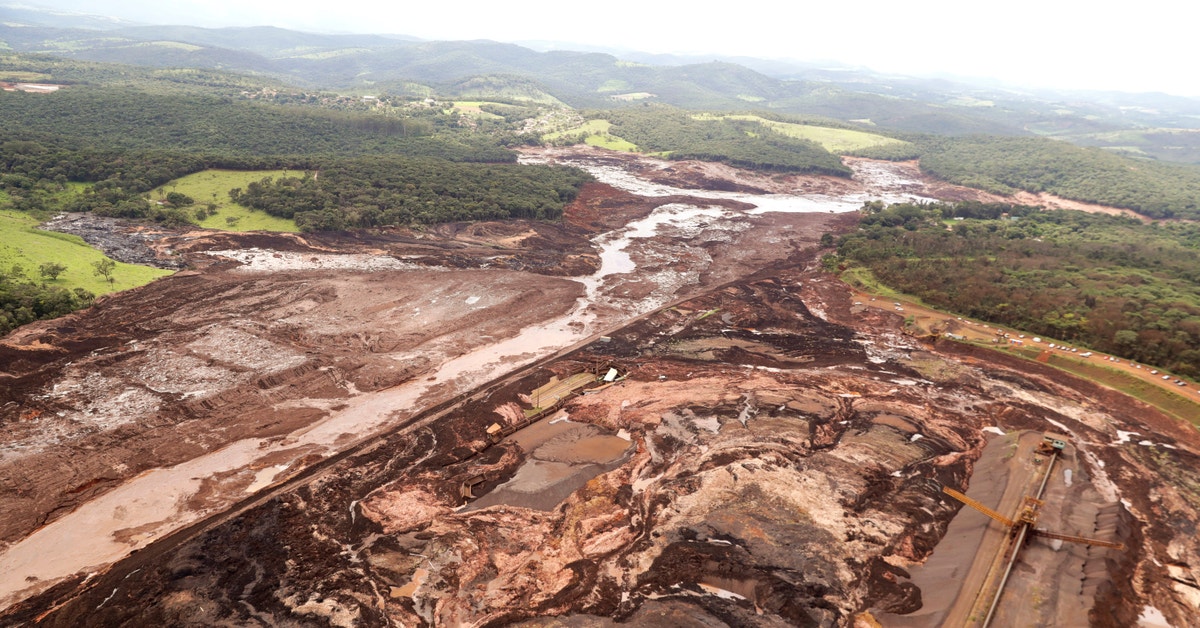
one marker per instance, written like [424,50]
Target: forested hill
[992,139]
[144,118]
[112,134]
[1106,282]
[396,65]
[1007,164]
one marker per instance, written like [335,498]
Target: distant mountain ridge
[397,64]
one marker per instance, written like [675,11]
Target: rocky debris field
[117,238]
[780,469]
[772,456]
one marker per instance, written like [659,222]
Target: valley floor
[312,406]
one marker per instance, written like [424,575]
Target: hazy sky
[1134,46]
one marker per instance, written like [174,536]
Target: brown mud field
[313,407]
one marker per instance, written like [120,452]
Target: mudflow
[294,432]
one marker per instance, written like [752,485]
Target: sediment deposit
[772,455]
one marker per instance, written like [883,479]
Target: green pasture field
[596,134]
[613,85]
[22,244]
[328,54]
[472,107]
[836,141]
[212,186]
[969,101]
[168,44]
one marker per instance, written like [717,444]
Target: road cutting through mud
[926,320]
[959,579]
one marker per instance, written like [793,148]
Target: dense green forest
[23,300]
[370,192]
[125,133]
[736,142]
[353,192]
[1111,283]
[36,170]
[132,118]
[1006,164]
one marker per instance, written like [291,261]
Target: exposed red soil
[782,440]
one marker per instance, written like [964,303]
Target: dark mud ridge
[120,239]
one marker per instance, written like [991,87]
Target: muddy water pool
[563,456]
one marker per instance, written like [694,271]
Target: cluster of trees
[1007,164]
[737,142]
[36,170]
[121,132]
[125,140]
[1106,282]
[353,192]
[130,118]
[80,72]
[23,300]
[376,191]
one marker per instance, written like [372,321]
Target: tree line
[740,143]
[1106,282]
[1007,164]
[377,191]
[131,118]
[24,300]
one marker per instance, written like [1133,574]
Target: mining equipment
[1028,516]
[1025,522]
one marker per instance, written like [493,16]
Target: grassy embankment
[1137,383]
[836,141]
[212,186]
[595,133]
[475,108]
[1169,401]
[22,244]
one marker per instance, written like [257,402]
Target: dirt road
[938,322]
